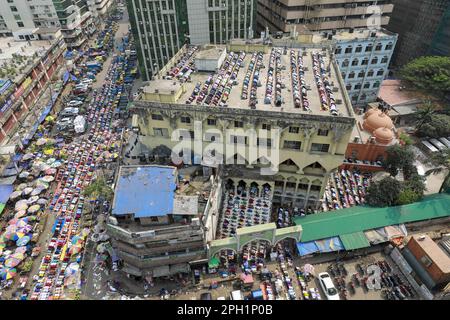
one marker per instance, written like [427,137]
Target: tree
[397,158]
[99,188]
[407,196]
[438,126]
[406,139]
[441,163]
[424,114]
[428,74]
[383,193]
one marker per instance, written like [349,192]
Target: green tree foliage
[407,196]
[428,74]
[383,193]
[406,139]
[437,126]
[397,158]
[441,163]
[99,188]
[424,113]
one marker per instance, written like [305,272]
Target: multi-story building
[423,27]
[288,15]
[363,57]
[296,107]
[72,16]
[27,69]
[161,28]
[155,224]
[99,7]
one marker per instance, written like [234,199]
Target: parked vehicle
[328,287]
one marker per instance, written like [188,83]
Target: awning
[305,248]
[5,192]
[329,244]
[356,240]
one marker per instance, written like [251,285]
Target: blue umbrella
[23,241]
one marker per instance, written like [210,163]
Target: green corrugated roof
[361,218]
[2,206]
[356,240]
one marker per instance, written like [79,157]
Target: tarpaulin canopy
[329,244]
[356,240]
[213,262]
[305,248]
[5,192]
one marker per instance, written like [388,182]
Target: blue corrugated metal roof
[145,191]
[5,192]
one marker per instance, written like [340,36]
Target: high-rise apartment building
[73,17]
[287,15]
[161,28]
[423,27]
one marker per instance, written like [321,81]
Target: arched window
[361,74]
[380,72]
[370,73]
[355,62]
[349,49]
[358,48]
[379,47]
[343,75]
[376,84]
[369,47]
[374,60]
[345,63]
[351,75]
[385,59]
[367,85]
[363,96]
[365,62]
[338,50]
[389,46]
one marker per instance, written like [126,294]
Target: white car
[86,81]
[328,287]
[74,103]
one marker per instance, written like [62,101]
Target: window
[264,142]
[294,129]
[374,60]
[363,97]
[292,145]
[389,46]
[211,122]
[379,47]
[343,75]
[238,139]
[351,75]
[380,72]
[20,24]
[320,147]
[315,188]
[376,84]
[157,117]
[211,137]
[370,73]
[184,119]
[322,132]
[361,74]
[338,50]
[365,62]
[426,261]
[358,48]
[238,124]
[385,59]
[345,63]
[349,49]
[367,85]
[357,86]
[369,48]
[13,8]
[266,126]
[348,87]
[161,132]
[355,62]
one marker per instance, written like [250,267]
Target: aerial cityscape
[224,150]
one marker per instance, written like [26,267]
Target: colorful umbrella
[14,260]
[20,214]
[42,201]
[26,229]
[41,142]
[50,171]
[41,184]
[23,241]
[22,249]
[48,178]
[74,249]
[32,199]
[15,195]
[24,174]
[21,186]
[28,156]
[8,273]
[21,223]
[27,191]
[21,205]
[16,236]
[34,208]
[37,191]
[56,164]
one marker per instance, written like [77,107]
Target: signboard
[7,104]
[5,86]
